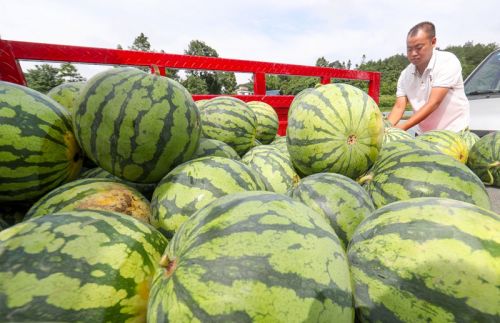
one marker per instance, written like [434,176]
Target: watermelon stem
[491,180]
[365,179]
[168,264]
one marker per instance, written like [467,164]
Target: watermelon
[340,199]
[298,97]
[267,121]
[275,168]
[253,257]
[335,128]
[92,266]
[66,94]
[427,260]
[280,143]
[200,103]
[395,134]
[469,137]
[403,144]
[38,150]
[423,173]
[135,125]
[213,147]
[194,184]
[484,159]
[93,194]
[447,142]
[97,172]
[229,120]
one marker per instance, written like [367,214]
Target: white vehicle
[482,88]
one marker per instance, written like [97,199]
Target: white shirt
[443,70]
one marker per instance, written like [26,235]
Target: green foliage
[214,82]
[470,55]
[69,73]
[141,43]
[45,77]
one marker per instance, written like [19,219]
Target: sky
[284,31]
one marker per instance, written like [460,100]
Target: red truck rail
[11,52]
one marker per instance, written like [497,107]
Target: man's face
[419,49]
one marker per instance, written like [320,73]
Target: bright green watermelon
[146,189]
[469,137]
[93,194]
[267,121]
[395,134]
[280,143]
[298,97]
[200,103]
[447,142]
[135,125]
[229,120]
[253,257]
[484,159]
[275,168]
[340,199]
[66,94]
[194,184]
[423,173]
[79,266]
[427,260]
[38,150]
[213,147]
[335,128]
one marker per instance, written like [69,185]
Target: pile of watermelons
[190,211]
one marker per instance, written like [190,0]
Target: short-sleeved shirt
[443,70]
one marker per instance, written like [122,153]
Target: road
[495,198]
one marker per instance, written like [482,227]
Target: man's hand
[435,98]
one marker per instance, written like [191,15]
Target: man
[432,84]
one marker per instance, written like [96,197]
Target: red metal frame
[13,51]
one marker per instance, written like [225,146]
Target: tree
[216,82]
[141,43]
[69,73]
[43,78]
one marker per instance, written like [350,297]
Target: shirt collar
[429,67]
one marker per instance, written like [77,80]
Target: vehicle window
[486,78]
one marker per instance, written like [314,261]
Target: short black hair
[426,26]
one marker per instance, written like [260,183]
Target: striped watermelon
[298,97]
[229,120]
[340,199]
[267,121]
[423,173]
[66,94]
[93,194]
[469,137]
[484,159]
[280,143]
[144,188]
[92,266]
[395,134]
[403,145]
[250,257]
[427,260]
[135,125]
[387,123]
[275,168]
[200,103]
[194,184]
[38,150]
[447,142]
[213,147]
[335,128]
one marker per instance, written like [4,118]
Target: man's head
[420,42]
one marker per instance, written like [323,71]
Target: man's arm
[436,97]
[397,110]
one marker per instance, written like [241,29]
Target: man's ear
[433,41]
